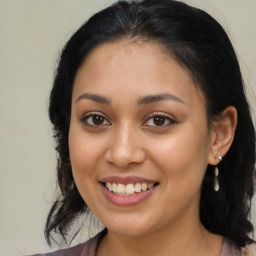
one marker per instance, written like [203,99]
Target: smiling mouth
[129,189]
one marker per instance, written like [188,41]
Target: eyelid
[87,115]
[169,117]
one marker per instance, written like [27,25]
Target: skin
[127,141]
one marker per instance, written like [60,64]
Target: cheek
[183,156]
[182,161]
[83,159]
[84,150]
[79,154]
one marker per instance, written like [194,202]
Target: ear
[222,134]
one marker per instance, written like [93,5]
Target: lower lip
[127,200]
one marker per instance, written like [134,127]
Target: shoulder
[229,249]
[85,249]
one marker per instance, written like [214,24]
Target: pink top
[89,249]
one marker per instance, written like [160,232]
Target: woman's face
[138,126]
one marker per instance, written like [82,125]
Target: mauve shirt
[89,249]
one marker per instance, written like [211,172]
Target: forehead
[134,68]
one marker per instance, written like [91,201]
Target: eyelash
[167,121]
[89,118]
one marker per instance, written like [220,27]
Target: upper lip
[127,180]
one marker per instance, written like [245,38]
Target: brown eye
[95,120]
[159,120]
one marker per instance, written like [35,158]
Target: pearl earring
[216,185]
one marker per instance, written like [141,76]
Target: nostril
[124,158]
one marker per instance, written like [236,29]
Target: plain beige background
[32,33]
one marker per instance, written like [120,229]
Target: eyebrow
[94,97]
[144,100]
[159,97]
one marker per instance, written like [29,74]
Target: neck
[192,240]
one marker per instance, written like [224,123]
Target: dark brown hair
[198,43]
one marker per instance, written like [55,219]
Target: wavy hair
[198,43]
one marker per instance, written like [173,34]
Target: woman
[154,134]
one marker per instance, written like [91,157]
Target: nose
[125,148]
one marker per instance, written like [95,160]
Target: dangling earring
[216,185]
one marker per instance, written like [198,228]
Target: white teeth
[137,187]
[114,187]
[144,186]
[109,186]
[129,189]
[150,185]
[120,188]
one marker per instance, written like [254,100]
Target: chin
[135,227]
